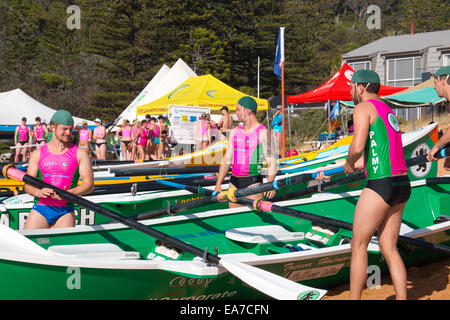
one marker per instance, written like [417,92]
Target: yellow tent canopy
[201,91]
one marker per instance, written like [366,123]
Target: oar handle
[197,190]
[442,153]
[329,172]
[12,172]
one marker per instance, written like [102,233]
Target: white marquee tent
[165,80]
[179,73]
[130,112]
[16,104]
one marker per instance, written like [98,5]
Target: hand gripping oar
[252,190]
[270,284]
[277,184]
[271,207]
[215,197]
[443,153]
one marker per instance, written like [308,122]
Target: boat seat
[95,250]
[263,234]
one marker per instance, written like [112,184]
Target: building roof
[402,43]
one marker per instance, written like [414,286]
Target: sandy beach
[429,282]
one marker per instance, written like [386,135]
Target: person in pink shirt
[141,138]
[85,136]
[40,131]
[134,137]
[61,164]
[22,137]
[99,138]
[125,136]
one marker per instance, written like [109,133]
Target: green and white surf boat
[14,210]
[112,261]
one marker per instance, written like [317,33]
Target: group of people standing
[98,137]
[208,131]
[25,138]
[147,139]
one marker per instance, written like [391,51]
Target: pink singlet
[247,151]
[60,170]
[23,133]
[39,132]
[142,139]
[84,135]
[100,130]
[126,132]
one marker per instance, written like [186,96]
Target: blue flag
[279,55]
[334,114]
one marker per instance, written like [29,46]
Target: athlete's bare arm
[33,167]
[269,157]
[225,164]
[361,121]
[440,143]
[85,171]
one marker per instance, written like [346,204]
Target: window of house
[359,65]
[404,72]
[446,59]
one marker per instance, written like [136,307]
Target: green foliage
[308,125]
[98,70]
[53,80]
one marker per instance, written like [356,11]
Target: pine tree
[21,40]
[123,43]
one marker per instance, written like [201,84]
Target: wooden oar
[194,189]
[150,185]
[270,284]
[443,153]
[252,190]
[278,184]
[25,146]
[271,207]
[209,199]
[163,171]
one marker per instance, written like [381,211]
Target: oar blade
[271,284]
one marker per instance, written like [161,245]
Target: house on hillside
[404,60]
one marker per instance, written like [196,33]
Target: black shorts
[244,182]
[393,190]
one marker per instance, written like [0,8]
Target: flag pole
[282,94]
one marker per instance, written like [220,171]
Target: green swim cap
[248,102]
[365,76]
[443,71]
[62,117]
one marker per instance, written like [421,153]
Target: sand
[429,282]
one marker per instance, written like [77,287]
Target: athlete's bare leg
[36,221]
[65,221]
[388,235]
[370,212]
